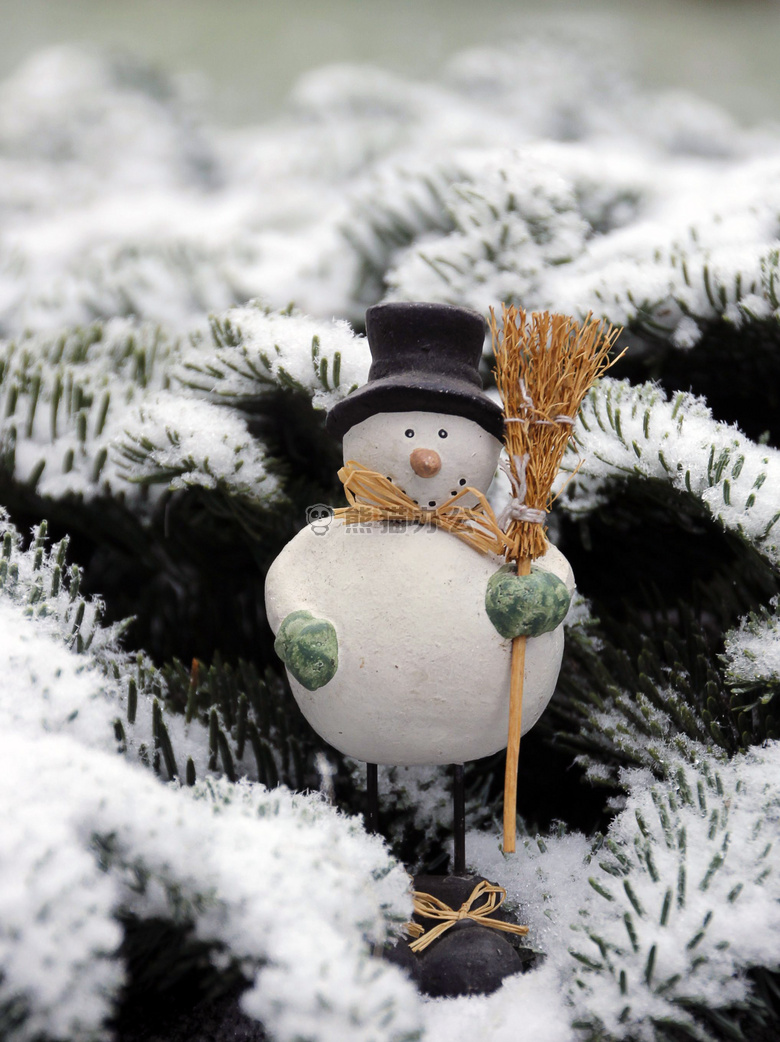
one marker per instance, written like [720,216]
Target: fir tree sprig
[62,398]
[657,953]
[256,351]
[626,433]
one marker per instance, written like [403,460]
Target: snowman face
[431,456]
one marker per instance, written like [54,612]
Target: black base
[468,959]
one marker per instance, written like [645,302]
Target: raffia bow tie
[431,907]
[373,497]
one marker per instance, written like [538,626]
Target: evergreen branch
[698,985]
[64,398]
[256,351]
[678,441]
[637,695]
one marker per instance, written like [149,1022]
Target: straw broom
[544,369]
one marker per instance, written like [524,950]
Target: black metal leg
[372,798]
[459,816]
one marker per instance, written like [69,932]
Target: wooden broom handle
[515,727]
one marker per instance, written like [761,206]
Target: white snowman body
[423,676]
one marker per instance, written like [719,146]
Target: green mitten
[525,605]
[309,648]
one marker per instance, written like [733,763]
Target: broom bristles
[544,369]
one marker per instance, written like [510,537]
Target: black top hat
[425,357]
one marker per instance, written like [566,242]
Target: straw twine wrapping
[432,908]
[372,497]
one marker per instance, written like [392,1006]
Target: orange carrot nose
[425,462]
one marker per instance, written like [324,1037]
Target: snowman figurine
[397,634]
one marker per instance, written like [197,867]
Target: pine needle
[544,368]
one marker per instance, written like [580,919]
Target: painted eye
[462,481]
[442,433]
[409,432]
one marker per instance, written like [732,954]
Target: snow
[191,442]
[529,1003]
[752,652]
[224,854]
[68,692]
[687,333]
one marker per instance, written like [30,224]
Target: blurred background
[250,52]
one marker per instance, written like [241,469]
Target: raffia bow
[372,497]
[432,908]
